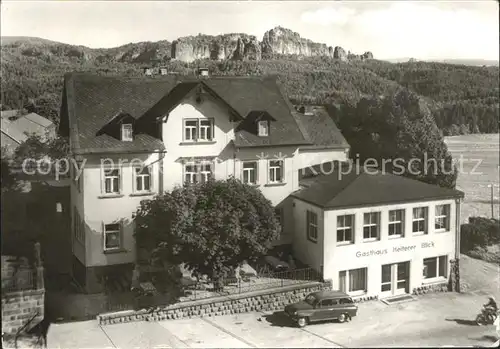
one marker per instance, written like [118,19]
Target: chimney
[203,72]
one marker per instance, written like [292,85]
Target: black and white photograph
[250,174]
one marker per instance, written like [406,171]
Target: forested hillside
[463,99]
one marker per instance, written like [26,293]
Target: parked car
[322,306]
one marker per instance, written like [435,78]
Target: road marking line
[109,338]
[228,332]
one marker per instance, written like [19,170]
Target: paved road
[432,320]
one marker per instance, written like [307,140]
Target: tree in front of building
[399,127]
[211,227]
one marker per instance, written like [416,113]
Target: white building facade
[183,132]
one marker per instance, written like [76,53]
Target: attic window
[127,132]
[263,128]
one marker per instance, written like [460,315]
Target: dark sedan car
[322,306]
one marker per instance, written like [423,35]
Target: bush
[479,232]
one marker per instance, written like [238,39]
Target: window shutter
[120,179]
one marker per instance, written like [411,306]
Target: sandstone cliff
[286,42]
[220,47]
[236,46]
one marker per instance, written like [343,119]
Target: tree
[36,148]
[211,227]
[9,181]
[400,127]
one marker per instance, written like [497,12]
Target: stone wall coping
[23,293]
[220,299]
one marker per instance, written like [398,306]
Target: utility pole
[492,199]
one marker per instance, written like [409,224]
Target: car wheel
[302,322]
[343,318]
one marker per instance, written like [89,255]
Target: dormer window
[263,128]
[127,135]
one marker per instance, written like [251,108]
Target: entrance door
[395,279]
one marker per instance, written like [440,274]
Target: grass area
[478,163]
[488,254]
[480,275]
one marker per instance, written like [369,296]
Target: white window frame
[105,232]
[344,228]
[254,168]
[312,226]
[200,174]
[444,217]
[141,176]
[127,132]
[193,175]
[273,169]
[204,175]
[439,261]
[347,276]
[263,126]
[193,134]
[400,222]
[419,219]
[106,177]
[371,225]
[206,124]
[208,129]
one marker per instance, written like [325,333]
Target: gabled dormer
[258,122]
[120,126]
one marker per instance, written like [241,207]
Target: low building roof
[320,128]
[16,130]
[360,186]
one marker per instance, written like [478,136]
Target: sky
[390,29]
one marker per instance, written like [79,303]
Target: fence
[192,290]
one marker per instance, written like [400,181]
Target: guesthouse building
[375,233]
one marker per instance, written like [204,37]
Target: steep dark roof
[93,100]
[321,130]
[90,101]
[367,187]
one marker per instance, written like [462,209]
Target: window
[275,171]
[327,303]
[346,301]
[191,130]
[127,132]
[250,172]
[112,181]
[353,281]
[420,220]
[442,218]
[312,226]
[205,172]
[371,222]
[206,130]
[435,267]
[195,172]
[345,228]
[112,236]
[396,223]
[263,128]
[142,179]
[199,130]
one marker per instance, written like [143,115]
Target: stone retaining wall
[19,307]
[262,300]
